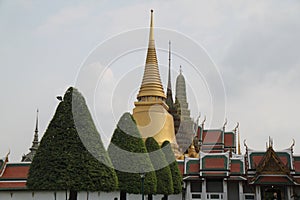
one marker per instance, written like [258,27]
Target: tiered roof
[13,176]
[272,167]
[216,140]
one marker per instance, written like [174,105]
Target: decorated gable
[273,168]
[256,157]
[272,164]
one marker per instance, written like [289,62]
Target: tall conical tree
[162,169]
[62,161]
[176,175]
[130,158]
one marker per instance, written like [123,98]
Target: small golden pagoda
[151,111]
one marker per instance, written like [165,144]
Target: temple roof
[271,163]
[13,176]
[256,158]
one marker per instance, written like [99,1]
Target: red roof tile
[214,163]
[255,160]
[229,140]
[194,168]
[10,185]
[212,137]
[15,171]
[297,165]
[235,168]
[283,159]
[181,167]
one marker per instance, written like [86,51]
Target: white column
[289,192]
[188,194]
[241,192]
[257,192]
[224,189]
[203,194]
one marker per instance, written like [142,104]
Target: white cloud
[69,16]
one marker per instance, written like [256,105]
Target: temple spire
[151,110]
[185,134]
[151,84]
[169,99]
[169,75]
[35,143]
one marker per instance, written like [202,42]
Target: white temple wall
[61,195]
[155,197]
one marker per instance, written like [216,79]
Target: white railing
[214,195]
[196,195]
[248,196]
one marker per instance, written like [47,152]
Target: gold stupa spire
[151,83]
[151,111]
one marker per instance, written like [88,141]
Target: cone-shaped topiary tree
[62,161]
[176,175]
[130,159]
[162,169]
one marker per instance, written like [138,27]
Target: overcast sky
[253,47]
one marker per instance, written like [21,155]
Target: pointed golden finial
[292,146]
[202,124]
[6,157]
[151,83]
[151,35]
[225,123]
[270,142]
[236,127]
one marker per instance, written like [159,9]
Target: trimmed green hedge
[130,158]
[163,172]
[176,175]
[62,162]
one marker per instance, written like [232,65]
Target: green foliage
[163,172]
[62,162]
[176,175]
[130,158]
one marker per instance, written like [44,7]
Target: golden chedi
[151,111]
